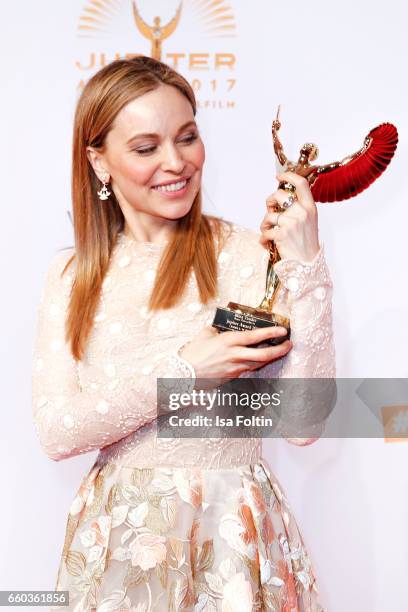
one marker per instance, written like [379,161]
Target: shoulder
[242,240]
[244,234]
[60,260]
[240,249]
[232,233]
[59,274]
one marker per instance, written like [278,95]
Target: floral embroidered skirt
[165,539]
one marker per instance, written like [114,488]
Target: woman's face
[154,140]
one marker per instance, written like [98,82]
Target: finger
[280,199]
[275,201]
[269,223]
[275,234]
[252,365]
[295,214]
[302,187]
[253,336]
[264,355]
[265,242]
[282,220]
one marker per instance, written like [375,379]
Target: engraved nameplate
[227,319]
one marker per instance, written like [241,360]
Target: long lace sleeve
[309,290]
[70,420]
[306,297]
[308,287]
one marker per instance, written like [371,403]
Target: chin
[174,209]
[177,211]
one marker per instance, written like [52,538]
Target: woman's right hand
[228,354]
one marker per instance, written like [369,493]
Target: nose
[172,158]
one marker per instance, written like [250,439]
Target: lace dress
[163,524]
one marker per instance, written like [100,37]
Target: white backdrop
[338,69]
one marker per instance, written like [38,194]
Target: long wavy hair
[193,245]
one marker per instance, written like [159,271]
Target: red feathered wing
[345,179]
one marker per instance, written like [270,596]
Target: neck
[146,228]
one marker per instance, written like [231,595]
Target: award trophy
[239,317]
[329,183]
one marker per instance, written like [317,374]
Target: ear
[97,163]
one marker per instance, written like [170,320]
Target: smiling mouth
[172,187]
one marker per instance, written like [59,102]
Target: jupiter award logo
[196,37]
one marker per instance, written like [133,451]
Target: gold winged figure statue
[157,32]
[343,179]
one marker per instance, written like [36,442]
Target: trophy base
[237,317]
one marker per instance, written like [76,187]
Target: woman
[160,524]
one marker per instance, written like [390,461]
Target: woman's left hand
[296,235]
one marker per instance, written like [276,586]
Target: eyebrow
[151,134]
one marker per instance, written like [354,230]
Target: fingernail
[281,331]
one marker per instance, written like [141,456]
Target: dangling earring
[104,194]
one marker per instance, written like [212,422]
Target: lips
[182,178]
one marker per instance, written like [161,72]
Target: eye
[143,151]
[190,138]
[187,140]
